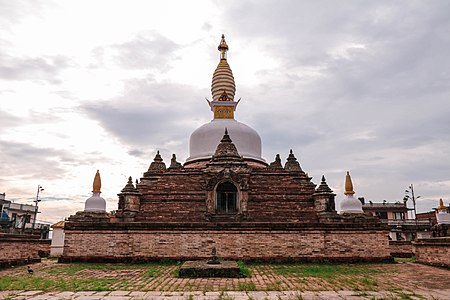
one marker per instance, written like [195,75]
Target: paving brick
[84,293]
[65,294]
[89,297]
[116,298]
[30,293]
[119,293]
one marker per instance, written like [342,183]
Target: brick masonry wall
[279,196]
[176,196]
[401,248]
[172,196]
[434,251]
[197,244]
[18,250]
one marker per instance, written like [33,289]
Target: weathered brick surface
[250,244]
[401,248]
[18,249]
[179,195]
[173,196]
[280,196]
[277,217]
[434,251]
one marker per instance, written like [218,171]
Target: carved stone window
[226,198]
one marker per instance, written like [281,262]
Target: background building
[16,218]
[395,215]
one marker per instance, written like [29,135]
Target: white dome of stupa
[95,203]
[350,204]
[204,140]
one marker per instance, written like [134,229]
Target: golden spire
[348,185]
[223,80]
[441,205]
[97,183]
[223,48]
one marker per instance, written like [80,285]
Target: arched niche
[227,198]
[241,184]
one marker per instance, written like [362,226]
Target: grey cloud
[45,68]
[379,109]
[152,116]
[7,120]
[12,12]
[26,161]
[207,26]
[399,39]
[147,50]
[10,121]
[138,153]
[30,162]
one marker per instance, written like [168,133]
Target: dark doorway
[226,198]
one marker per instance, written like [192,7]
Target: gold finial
[348,185]
[97,183]
[441,205]
[223,48]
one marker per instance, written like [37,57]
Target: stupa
[96,203]
[203,141]
[225,196]
[350,205]
[442,213]
[435,251]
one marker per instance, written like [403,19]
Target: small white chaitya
[350,204]
[442,213]
[96,203]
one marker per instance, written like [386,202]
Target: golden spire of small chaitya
[97,183]
[348,185]
[441,205]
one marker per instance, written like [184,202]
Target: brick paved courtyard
[271,281]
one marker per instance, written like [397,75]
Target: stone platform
[201,269]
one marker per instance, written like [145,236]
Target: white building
[20,218]
[57,246]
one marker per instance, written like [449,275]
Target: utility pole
[414,201]
[413,197]
[39,189]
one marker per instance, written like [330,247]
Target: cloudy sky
[362,86]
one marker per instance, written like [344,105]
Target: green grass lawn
[328,276]
[326,271]
[151,269]
[31,282]
[82,277]
[162,276]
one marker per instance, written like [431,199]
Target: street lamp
[39,189]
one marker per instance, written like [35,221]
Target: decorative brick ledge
[238,226]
